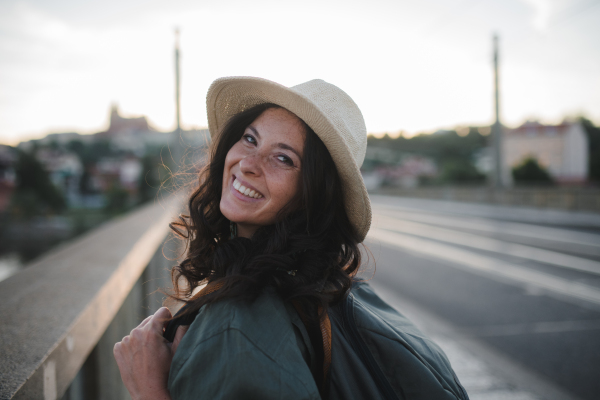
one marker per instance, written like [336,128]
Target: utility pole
[177,94]
[497,180]
[175,143]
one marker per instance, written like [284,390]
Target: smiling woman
[273,235]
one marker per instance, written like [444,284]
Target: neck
[246,231]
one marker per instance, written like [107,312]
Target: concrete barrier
[61,315]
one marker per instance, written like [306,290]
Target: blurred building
[127,134]
[65,169]
[124,172]
[119,124]
[137,136]
[562,149]
[405,173]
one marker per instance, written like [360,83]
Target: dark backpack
[377,353]
[372,352]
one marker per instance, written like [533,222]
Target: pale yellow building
[562,149]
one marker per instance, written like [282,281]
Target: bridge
[511,294]
[62,315]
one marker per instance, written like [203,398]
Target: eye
[249,138]
[285,159]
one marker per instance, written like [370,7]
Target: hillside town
[86,169]
[57,187]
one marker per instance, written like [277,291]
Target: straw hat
[328,110]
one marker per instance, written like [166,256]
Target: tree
[77,147]
[460,170]
[149,181]
[530,171]
[117,199]
[34,193]
[593,134]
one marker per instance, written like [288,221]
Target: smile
[246,191]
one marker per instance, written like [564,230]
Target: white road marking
[495,226]
[488,244]
[488,266]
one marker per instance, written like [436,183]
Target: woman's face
[265,165]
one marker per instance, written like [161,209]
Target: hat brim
[229,96]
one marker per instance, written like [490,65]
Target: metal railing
[61,316]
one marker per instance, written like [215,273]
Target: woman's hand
[144,357]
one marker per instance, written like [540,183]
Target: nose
[250,165]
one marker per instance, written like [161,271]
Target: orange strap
[208,289]
[325,327]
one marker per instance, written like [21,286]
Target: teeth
[246,191]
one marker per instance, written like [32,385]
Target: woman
[273,230]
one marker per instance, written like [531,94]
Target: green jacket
[244,351]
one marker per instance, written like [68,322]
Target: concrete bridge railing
[61,316]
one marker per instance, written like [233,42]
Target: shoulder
[265,323]
[247,346]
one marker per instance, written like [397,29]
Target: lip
[241,196]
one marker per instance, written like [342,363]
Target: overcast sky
[411,66]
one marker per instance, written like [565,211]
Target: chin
[232,212]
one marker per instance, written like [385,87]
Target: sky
[410,66]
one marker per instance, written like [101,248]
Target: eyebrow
[280,145]
[288,147]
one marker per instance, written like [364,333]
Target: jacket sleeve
[229,366]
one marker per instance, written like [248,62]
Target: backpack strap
[325,325]
[180,318]
[206,290]
[325,334]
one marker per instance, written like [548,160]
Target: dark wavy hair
[309,255]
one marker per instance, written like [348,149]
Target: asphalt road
[523,283]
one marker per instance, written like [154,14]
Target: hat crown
[341,111]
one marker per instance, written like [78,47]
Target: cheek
[231,159]
[285,186]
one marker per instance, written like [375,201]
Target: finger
[118,353]
[159,318]
[145,321]
[141,325]
[117,348]
[181,331]
[125,340]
